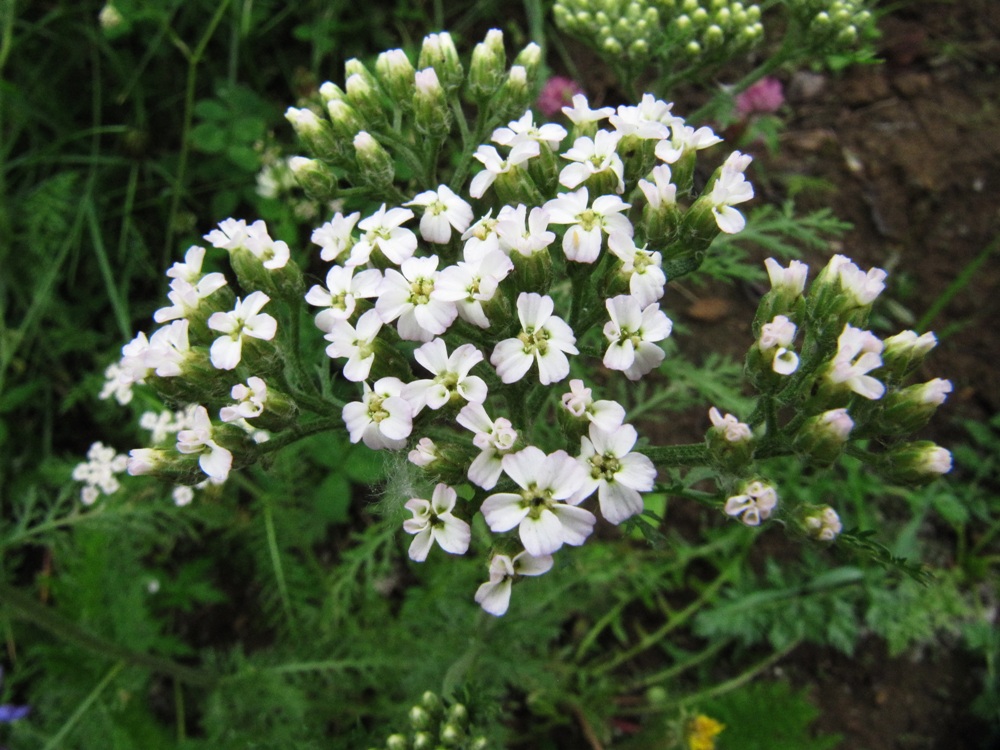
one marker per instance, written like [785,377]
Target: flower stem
[691,454]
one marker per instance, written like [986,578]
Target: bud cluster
[642,30]
[436,724]
[834,25]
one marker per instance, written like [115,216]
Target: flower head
[544,339]
[494,595]
[433,521]
[245,320]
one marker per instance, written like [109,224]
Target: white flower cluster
[98,472]
[498,298]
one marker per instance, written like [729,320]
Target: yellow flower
[701,732]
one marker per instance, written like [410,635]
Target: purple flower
[557,93]
[8,712]
[763,97]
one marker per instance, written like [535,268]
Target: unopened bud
[316,180]
[911,408]
[489,64]
[423,741]
[397,742]
[363,95]
[905,352]
[916,463]
[345,120]
[438,52]
[530,58]
[316,135]
[821,439]
[514,96]
[451,735]
[431,702]
[419,718]
[396,75]
[331,92]
[822,523]
[458,714]
[430,105]
[375,165]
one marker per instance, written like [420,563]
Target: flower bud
[904,353]
[396,75]
[345,120]
[730,442]
[438,52]
[375,165]
[821,438]
[397,742]
[514,96]
[488,67]
[431,702]
[822,523]
[755,503]
[909,409]
[423,741]
[364,96]
[316,135]
[916,463]
[430,105]
[330,92]
[451,735]
[318,182]
[530,58]
[785,296]
[419,718]
[458,714]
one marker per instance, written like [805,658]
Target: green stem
[279,570]
[741,679]
[56,740]
[297,433]
[194,59]
[692,454]
[25,607]
[672,671]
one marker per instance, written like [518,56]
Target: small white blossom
[593,156]
[544,339]
[644,268]
[182,495]
[587,224]
[410,295]
[494,164]
[581,113]
[754,505]
[857,354]
[424,454]
[606,415]
[434,522]
[343,289]
[525,129]
[334,237]
[382,232]
[527,240]
[825,524]
[186,297]
[731,187]
[661,191]
[451,379]
[776,338]
[213,459]
[494,595]
[471,282]
[791,280]
[443,211]
[618,474]
[648,120]
[250,400]
[232,235]
[246,319]
[632,334]
[98,472]
[357,343]
[383,418]
[684,139]
[494,438]
[543,510]
[862,287]
[117,384]
[733,430]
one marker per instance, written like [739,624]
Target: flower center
[420,290]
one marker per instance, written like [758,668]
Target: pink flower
[763,97]
[557,92]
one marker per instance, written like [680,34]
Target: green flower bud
[821,438]
[488,67]
[458,714]
[916,463]
[345,121]
[692,48]
[714,36]
[419,718]
[316,135]
[430,105]
[331,92]
[438,52]
[730,442]
[431,702]
[904,353]
[375,165]
[363,95]
[530,58]
[700,17]
[423,741]
[314,178]
[911,408]
[452,735]
[514,96]
[820,522]
[396,75]
[397,742]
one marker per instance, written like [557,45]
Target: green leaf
[333,498]
[209,138]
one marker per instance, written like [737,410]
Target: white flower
[190,269]
[776,337]
[524,129]
[186,297]
[250,400]
[495,165]
[583,239]
[481,238]
[213,459]
[632,334]
[232,235]
[168,349]
[434,522]
[246,319]
[857,354]
[730,188]
[383,418]
[513,235]
[410,295]
[607,415]
[581,113]
[544,338]
[473,281]
[593,156]
[443,210]
[334,237]
[791,280]
[357,343]
[647,120]
[451,376]
[382,231]
[644,268]
[544,510]
[339,297]
[494,438]
[754,505]
[494,595]
[144,461]
[825,524]
[908,343]
[98,472]
[182,495]
[863,287]
[684,139]
[424,454]
[117,384]
[661,191]
[935,460]
[615,472]
[732,429]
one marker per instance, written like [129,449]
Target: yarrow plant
[483,296]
